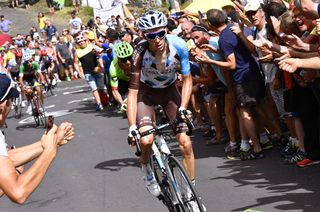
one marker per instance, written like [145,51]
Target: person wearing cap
[209,44]
[248,83]
[19,186]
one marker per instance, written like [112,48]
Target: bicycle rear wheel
[185,189]
[35,113]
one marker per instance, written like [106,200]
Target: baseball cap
[252,6]
[6,87]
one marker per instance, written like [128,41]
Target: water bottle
[162,144]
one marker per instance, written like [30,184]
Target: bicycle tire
[165,196]
[41,112]
[16,107]
[35,112]
[186,191]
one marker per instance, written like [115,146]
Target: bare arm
[25,154]
[186,90]
[132,106]
[19,187]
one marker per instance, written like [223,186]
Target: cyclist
[155,63]
[29,72]
[120,72]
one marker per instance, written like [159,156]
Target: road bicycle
[177,191]
[38,110]
[51,82]
[17,101]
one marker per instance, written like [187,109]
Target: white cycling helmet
[151,20]
[26,56]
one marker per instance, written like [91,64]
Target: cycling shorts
[169,98]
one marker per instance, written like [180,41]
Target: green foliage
[68,3]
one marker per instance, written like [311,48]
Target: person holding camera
[16,185]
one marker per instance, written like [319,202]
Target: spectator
[27,3]
[50,6]
[64,54]
[51,30]
[16,185]
[41,21]
[76,4]
[14,3]
[74,23]
[247,81]
[4,25]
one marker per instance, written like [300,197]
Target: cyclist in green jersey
[120,72]
[29,73]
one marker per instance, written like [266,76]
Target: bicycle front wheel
[189,197]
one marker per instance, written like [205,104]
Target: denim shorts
[95,81]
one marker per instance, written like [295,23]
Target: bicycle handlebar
[158,129]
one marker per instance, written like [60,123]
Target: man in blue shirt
[4,25]
[248,83]
[209,44]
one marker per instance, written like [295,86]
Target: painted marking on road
[49,106]
[80,100]
[55,114]
[71,88]
[74,92]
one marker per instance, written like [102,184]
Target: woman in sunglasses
[120,71]
[154,66]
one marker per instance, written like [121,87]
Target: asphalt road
[98,172]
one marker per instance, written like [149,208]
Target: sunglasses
[124,60]
[154,35]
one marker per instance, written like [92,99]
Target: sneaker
[289,150]
[267,145]
[152,185]
[209,133]
[295,158]
[307,162]
[234,155]
[250,155]
[29,110]
[99,107]
[23,104]
[68,79]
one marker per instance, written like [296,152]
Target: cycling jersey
[144,64]
[116,73]
[29,72]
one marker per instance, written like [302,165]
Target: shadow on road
[300,192]
[118,164]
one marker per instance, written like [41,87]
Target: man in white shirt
[74,23]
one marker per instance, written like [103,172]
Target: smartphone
[50,123]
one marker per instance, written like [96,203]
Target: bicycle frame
[161,159]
